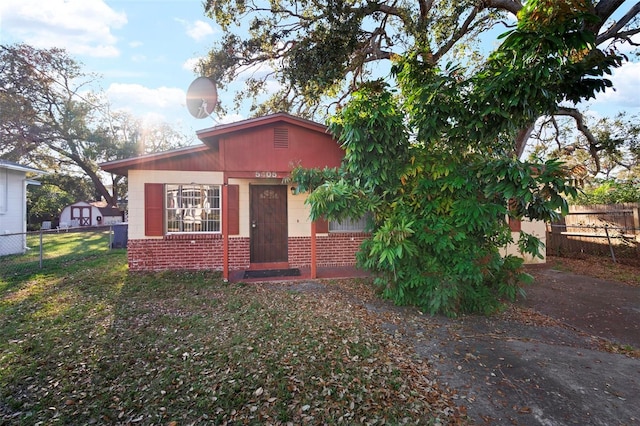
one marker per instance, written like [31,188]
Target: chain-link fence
[29,252]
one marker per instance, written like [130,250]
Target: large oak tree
[435,163]
[53,120]
[320,51]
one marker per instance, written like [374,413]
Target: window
[193,208]
[349,225]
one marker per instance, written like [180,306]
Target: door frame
[283,260]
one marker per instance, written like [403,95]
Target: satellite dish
[202,97]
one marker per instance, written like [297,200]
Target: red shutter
[233,203]
[515,225]
[153,209]
[322,226]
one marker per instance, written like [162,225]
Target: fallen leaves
[177,348]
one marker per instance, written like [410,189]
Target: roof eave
[121,167]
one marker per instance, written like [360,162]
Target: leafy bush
[610,192]
[438,218]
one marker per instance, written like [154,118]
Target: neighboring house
[83,213]
[223,205]
[13,206]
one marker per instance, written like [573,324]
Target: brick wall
[335,249]
[204,252]
[186,252]
[239,254]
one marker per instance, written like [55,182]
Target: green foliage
[535,190]
[438,245]
[434,164]
[372,131]
[439,219]
[610,192]
[554,48]
[46,123]
[322,51]
[55,192]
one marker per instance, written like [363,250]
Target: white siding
[537,228]
[13,218]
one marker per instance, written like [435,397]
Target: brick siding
[335,249]
[204,252]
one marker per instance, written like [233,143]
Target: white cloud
[139,58]
[82,27]
[152,105]
[197,30]
[138,97]
[626,87]
[191,64]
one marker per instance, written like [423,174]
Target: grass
[58,249]
[89,343]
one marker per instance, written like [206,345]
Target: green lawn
[89,343]
[58,249]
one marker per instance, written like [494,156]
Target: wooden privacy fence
[609,229]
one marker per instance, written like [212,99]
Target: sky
[144,51]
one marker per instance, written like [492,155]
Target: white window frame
[188,211]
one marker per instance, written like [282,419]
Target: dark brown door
[268,223]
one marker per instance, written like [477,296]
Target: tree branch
[522,138]
[615,30]
[605,8]
[457,35]
[582,127]
[512,6]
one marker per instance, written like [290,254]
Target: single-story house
[223,205]
[14,179]
[84,213]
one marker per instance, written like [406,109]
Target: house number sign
[266,174]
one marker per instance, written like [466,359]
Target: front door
[268,223]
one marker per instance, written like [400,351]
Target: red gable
[273,143]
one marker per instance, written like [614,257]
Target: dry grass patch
[190,349]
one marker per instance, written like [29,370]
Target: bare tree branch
[522,138]
[582,127]
[615,30]
[605,8]
[512,6]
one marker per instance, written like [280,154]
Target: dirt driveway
[541,363]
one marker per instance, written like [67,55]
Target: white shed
[83,213]
[13,206]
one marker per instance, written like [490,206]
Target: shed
[84,213]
